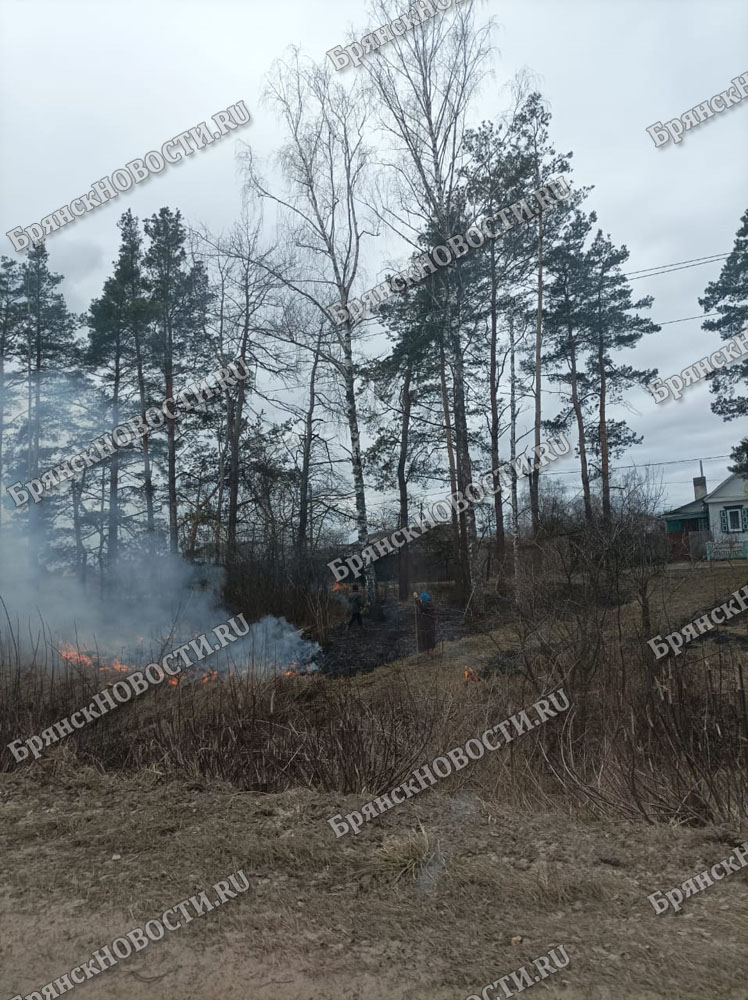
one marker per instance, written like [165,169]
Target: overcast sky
[88,86]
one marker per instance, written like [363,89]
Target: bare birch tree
[319,211]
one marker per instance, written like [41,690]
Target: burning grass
[258,732]
[665,742]
[71,654]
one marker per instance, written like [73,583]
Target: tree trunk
[495,429]
[468,533]
[105,581]
[513,451]
[461,582]
[235,428]
[2,419]
[356,463]
[147,477]
[575,402]
[36,523]
[80,553]
[535,474]
[171,443]
[196,519]
[219,504]
[113,520]
[403,575]
[224,444]
[302,541]
[603,432]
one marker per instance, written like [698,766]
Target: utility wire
[693,262]
[437,494]
[668,270]
[686,318]
[647,465]
[370,336]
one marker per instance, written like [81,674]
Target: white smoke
[156,603]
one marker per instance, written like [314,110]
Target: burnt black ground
[386,636]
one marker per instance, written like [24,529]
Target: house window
[733,519]
[703,524]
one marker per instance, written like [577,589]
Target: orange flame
[70,654]
[470,675]
[117,665]
[295,670]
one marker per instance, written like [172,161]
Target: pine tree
[728,296]
[565,323]
[611,328]
[739,457]
[117,323]
[177,295]
[46,350]
[11,294]
[409,434]
[589,318]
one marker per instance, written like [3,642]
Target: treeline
[272,476]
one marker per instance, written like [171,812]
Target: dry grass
[556,839]
[668,743]
[409,855]
[425,902]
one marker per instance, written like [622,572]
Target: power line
[676,461]
[370,336]
[649,465]
[686,318]
[330,386]
[693,262]
[437,494]
[668,270]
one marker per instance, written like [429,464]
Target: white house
[727,507]
[713,524]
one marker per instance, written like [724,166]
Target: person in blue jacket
[425,624]
[355,606]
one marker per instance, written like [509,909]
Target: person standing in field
[355,605]
[425,624]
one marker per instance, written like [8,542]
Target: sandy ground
[84,858]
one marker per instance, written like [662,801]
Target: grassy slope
[348,918]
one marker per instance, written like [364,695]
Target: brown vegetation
[557,839]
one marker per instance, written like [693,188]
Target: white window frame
[736,512]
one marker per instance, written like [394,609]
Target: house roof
[696,508]
[735,487]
